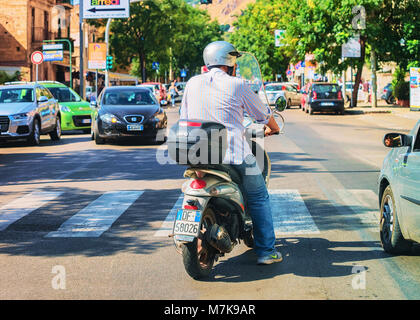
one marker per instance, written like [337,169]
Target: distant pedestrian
[173,91]
[366,90]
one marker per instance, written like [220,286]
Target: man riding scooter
[221,97]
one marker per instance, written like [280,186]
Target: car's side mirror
[42,99]
[93,104]
[396,140]
[281,104]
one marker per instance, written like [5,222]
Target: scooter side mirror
[281,104]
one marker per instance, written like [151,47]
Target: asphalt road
[325,206]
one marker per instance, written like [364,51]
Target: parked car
[292,95]
[75,112]
[127,111]
[360,94]
[399,192]
[288,90]
[273,91]
[388,95]
[324,96]
[159,91]
[28,110]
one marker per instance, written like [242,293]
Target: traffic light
[109,61]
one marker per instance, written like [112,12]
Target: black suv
[324,97]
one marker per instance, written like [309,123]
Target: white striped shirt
[216,96]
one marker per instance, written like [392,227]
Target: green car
[75,112]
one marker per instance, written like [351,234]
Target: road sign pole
[36,73]
[108,23]
[81,71]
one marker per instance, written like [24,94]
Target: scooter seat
[234,175]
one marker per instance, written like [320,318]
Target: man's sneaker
[272,258]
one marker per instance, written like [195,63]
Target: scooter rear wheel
[198,256]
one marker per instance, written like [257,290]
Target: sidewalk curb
[358,111]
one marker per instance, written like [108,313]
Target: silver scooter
[214,218]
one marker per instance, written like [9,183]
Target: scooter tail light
[190,207]
[339,95]
[314,95]
[189,124]
[198,184]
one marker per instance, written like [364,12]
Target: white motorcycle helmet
[220,53]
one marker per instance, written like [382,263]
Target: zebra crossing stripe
[290,214]
[23,206]
[98,216]
[167,225]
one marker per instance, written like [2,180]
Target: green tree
[167,31]
[254,32]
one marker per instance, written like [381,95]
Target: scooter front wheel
[199,255]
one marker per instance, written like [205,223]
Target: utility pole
[374,84]
[81,71]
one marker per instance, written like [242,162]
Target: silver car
[286,89]
[28,110]
[399,192]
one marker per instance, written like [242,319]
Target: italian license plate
[187,223]
[327,103]
[135,127]
[86,121]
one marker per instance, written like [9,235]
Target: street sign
[99,9]
[183,73]
[278,37]
[97,56]
[53,55]
[352,48]
[47,47]
[155,65]
[415,89]
[37,57]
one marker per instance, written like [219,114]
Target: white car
[399,192]
[285,89]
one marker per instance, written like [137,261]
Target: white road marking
[98,216]
[167,225]
[363,202]
[23,206]
[290,214]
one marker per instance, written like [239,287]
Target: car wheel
[392,239]
[288,104]
[56,134]
[98,139]
[391,100]
[92,134]
[35,137]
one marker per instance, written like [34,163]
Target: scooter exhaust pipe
[219,238]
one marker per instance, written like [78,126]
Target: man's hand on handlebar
[271,127]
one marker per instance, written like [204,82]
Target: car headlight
[109,118]
[64,108]
[20,116]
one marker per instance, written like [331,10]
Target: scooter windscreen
[248,69]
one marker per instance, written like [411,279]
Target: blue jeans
[258,204]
